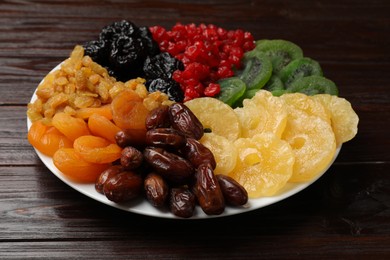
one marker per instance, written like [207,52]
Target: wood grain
[344,215]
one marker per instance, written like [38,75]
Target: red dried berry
[209,53]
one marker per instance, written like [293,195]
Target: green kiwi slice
[313,85]
[299,68]
[275,86]
[257,69]
[232,90]
[281,52]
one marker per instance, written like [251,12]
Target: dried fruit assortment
[195,115]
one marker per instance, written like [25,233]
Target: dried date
[171,166]
[208,191]
[165,137]
[105,175]
[182,202]
[158,118]
[131,158]
[233,192]
[156,189]
[131,137]
[197,153]
[123,187]
[184,120]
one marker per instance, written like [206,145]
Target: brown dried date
[184,120]
[207,191]
[123,187]
[165,137]
[233,192]
[105,175]
[131,137]
[197,153]
[156,189]
[158,118]
[131,158]
[182,202]
[171,166]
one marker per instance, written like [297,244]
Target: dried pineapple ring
[216,116]
[224,151]
[264,164]
[262,113]
[306,104]
[344,119]
[313,143]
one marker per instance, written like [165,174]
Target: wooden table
[344,215]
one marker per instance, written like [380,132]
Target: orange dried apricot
[69,162]
[96,149]
[70,126]
[86,112]
[128,110]
[101,126]
[47,139]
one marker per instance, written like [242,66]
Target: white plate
[141,206]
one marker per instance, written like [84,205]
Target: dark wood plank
[350,204]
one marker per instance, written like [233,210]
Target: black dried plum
[167,86]
[111,32]
[97,50]
[126,57]
[161,66]
[151,45]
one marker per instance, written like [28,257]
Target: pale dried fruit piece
[343,117]
[313,142]
[216,116]
[306,104]
[264,165]
[224,151]
[263,113]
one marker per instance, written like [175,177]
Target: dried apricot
[86,112]
[70,126]
[96,149]
[101,126]
[47,139]
[128,110]
[70,163]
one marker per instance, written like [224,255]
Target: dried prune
[167,86]
[97,50]
[161,66]
[150,43]
[126,57]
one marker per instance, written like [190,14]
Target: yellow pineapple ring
[262,113]
[264,164]
[343,117]
[306,104]
[224,151]
[313,142]
[216,116]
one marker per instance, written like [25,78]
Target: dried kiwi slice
[299,68]
[232,90]
[281,52]
[313,85]
[275,86]
[257,69]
